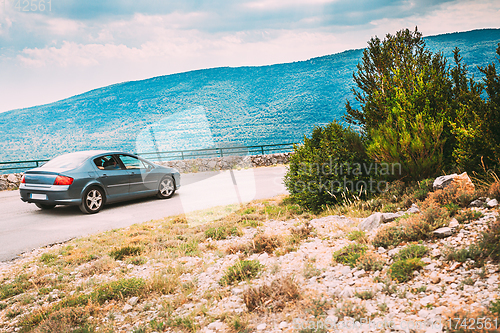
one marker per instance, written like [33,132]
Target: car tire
[92,200]
[44,206]
[166,188]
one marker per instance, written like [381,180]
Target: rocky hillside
[265,267]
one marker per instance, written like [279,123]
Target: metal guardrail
[176,155]
[218,152]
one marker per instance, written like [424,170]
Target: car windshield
[67,161]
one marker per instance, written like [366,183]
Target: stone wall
[227,162]
[11,181]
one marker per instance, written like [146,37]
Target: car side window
[107,162]
[131,162]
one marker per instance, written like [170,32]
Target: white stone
[283,325]
[453,223]
[492,203]
[127,308]
[261,327]
[133,300]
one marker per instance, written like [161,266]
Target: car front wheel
[92,200]
[166,189]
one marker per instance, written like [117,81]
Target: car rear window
[67,161]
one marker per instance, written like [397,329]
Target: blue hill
[210,107]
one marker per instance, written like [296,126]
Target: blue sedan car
[90,179]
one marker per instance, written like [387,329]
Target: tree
[329,167]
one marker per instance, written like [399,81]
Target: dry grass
[274,296]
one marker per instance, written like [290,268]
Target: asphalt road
[24,227]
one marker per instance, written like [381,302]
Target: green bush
[329,166]
[411,251]
[468,216]
[402,270]
[241,270]
[490,241]
[348,255]
[370,262]
[126,251]
[118,289]
[222,232]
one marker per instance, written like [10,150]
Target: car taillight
[23,180]
[63,180]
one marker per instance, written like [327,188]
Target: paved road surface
[24,227]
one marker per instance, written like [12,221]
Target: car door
[113,175]
[140,182]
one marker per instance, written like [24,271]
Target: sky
[54,49]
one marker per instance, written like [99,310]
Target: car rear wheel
[92,200]
[44,206]
[166,189]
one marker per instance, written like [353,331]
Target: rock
[261,327]
[462,179]
[381,250]
[133,300]
[453,223]
[442,181]
[389,217]
[216,325]
[347,292]
[283,325]
[427,299]
[442,232]
[413,209]
[3,185]
[127,308]
[12,178]
[435,278]
[476,203]
[435,253]
[492,203]
[373,221]
[360,273]
[237,291]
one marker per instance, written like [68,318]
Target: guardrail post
[182,155]
[262,149]
[221,154]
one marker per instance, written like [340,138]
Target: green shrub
[468,216]
[402,270]
[366,294]
[265,243]
[241,270]
[461,255]
[349,254]
[358,236]
[329,166]
[118,289]
[18,286]
[388,235]
[126,251]
[47,258]
[352,310]
[221,232]
[490,241]
[411,251]
[370,261]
